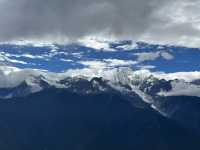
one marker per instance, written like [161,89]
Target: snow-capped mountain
[108,106]
[125,81]
[104,95]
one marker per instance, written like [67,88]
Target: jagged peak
[97,80]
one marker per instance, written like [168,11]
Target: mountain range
[119,111]
[98,95]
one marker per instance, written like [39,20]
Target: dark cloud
[58,19]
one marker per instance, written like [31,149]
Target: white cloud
[107,63]
[8,55]
[96,44]
[146,56]
[144,67]
[16,61]
[150,56]
[76,54]
[119,62]
[128,47]
[8,69]
[4,58]
[13,77]
[66,60]
[187,76]
[182,88]
[32,56]
[167,55]
[94,64]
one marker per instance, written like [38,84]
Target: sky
[107,34]
[175,22]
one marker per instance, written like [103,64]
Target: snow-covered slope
[144,83]
[12,76]
[173,99]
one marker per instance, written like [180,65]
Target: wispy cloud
[108,63]
[150,56]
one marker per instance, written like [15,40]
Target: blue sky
[58,58]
